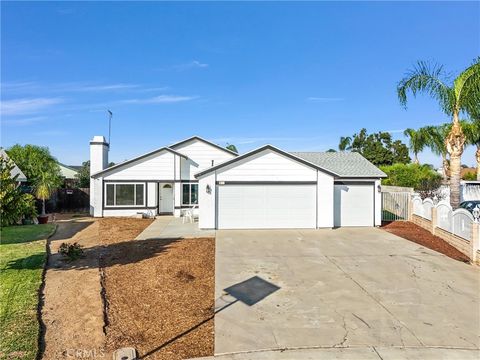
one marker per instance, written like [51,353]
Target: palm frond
[467,89]
[426,78]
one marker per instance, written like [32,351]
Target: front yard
[22,256]
[160,293]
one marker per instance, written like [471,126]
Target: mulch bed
[419,235]
[160,293]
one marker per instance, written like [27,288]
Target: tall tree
[34,161]
[454,98]
[345,143]
[378,148]
[471,130]
[417,141]
[232,147]
[435,138]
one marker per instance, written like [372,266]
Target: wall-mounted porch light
[208,189]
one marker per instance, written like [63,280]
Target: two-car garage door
[266,206]
[283,206]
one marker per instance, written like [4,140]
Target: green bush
[14,205]
[411,175]
[71,251]
[469,176]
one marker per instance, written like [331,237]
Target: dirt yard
[159,293]
[419,235]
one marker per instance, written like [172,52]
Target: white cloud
[194,64]
[27,106]
[23,87]
[161,99]
[23,121]
[323,99]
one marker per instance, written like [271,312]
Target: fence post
[475,243]
[434,219]
[410,208]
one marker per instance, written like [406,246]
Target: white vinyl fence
[458,222]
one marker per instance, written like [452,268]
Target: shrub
[470,176]
[71,251]
[411,175]
[13,203]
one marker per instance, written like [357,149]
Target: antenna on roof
[110,114]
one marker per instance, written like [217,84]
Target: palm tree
[471,130]
[435,140]
[454,98]
[45,184]
[231,147]
[345,143]
[417,141]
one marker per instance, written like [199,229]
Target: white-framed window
[189,193]
[124,194]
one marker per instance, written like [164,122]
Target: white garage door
[354,204]
[266,206]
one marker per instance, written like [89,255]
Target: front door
[166,199]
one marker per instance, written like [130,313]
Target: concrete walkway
[352,353]
[349,288]
[166,227]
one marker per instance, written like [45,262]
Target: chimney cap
[99,140]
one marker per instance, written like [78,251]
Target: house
[16,170]
[263,189]
[69,175]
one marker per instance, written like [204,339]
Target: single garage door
[354,204]
[266,206]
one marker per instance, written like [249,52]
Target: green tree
[83,175]
[435,140]
[40,168]
[461,95]
[471,130]
[45,184]
[417,141]
[378,148]
[34,161]
[345,143]
[410,175]
[231,147]
[13,203]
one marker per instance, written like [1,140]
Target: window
[189,194]
[125,194]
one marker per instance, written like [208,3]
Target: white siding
[200,156]
[378,204]
[152,196]
[96,196]
[158,166]
[325,200]
[266,166]
[129,212]
[206,218]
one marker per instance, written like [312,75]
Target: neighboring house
[16,170]
[264,188]
[69,174]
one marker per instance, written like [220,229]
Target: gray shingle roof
[344,164]
[16,170]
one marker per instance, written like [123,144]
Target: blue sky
[296,75]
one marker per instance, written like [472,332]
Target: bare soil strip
[419,235]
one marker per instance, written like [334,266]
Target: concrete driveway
[349,287]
